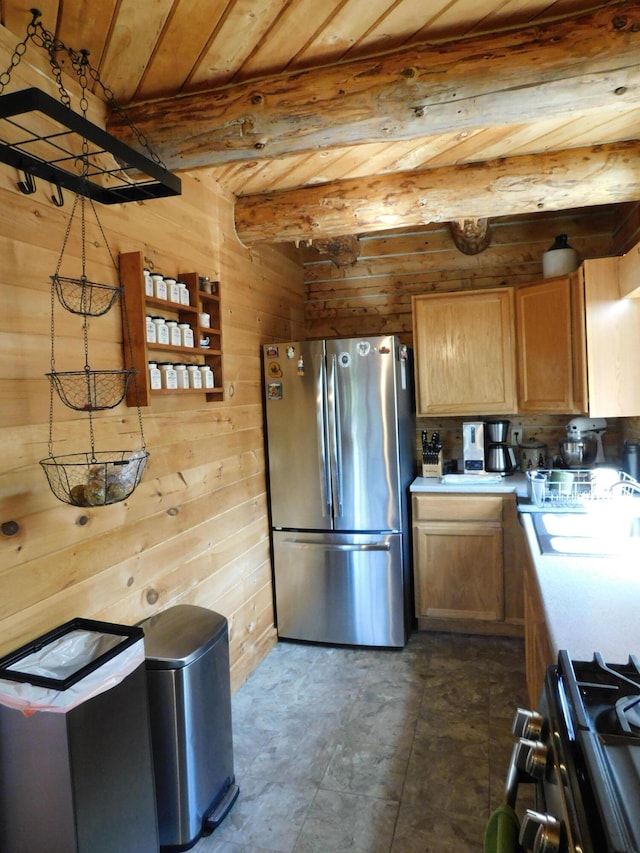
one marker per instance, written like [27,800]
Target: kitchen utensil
[584,427]
[631,460]
[497,431]
[533,454]
[498,459]
[579,453]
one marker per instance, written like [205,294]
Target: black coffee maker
[498,454]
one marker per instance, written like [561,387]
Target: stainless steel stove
[582,751]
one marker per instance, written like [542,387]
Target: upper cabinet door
[612,340]
[465,352]
[549,354]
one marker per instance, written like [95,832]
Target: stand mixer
[580,431]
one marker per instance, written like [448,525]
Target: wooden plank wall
[373,295]
[196,529]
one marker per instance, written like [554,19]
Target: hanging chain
[45,39]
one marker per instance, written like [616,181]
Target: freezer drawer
[340,588]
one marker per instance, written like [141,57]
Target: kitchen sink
[605,532]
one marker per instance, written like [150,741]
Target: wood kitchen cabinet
[550,346]
[566,345]
[461,580]
[537,645]
[612,340]
[465,353]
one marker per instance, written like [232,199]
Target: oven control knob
[527,724]
[531,757]
[540,833]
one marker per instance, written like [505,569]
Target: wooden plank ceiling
[330,118]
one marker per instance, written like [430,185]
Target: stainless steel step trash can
[187,654]
[76,771]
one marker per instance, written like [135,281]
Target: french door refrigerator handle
[334,441]
[339,546]
[325,476]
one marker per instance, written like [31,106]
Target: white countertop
[591,603]
[511,484]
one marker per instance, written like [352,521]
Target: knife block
[432,467]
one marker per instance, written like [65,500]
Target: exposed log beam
[581,177]
[586,63]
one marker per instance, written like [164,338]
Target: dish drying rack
[553,487]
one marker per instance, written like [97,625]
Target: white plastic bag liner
[62,658]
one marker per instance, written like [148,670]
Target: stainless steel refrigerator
[340,440]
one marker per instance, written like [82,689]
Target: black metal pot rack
[116,172]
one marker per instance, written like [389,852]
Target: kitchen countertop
[590,603]
[512,484]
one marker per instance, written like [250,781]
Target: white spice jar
[208,379]
[148,283]
[173,291]
[159,286]
[162,332]
[151,330]
[169,376]
[186,334]
[175,336]
[155,378]
[195,377]
[184,293]
[182,376]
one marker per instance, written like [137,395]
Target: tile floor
[372,751]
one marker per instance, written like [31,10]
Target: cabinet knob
[540,833]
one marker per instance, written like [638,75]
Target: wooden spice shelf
[137,351]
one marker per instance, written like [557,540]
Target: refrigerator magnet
[274,391]
[291,352]
[301,366]
[272,351]
[274,369]
[363,347]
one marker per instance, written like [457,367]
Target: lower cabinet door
[458,570]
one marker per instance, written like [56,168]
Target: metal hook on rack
[59,201]
[28,186]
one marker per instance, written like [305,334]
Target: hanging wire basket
[91,390]
[81,296]
[95,479]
